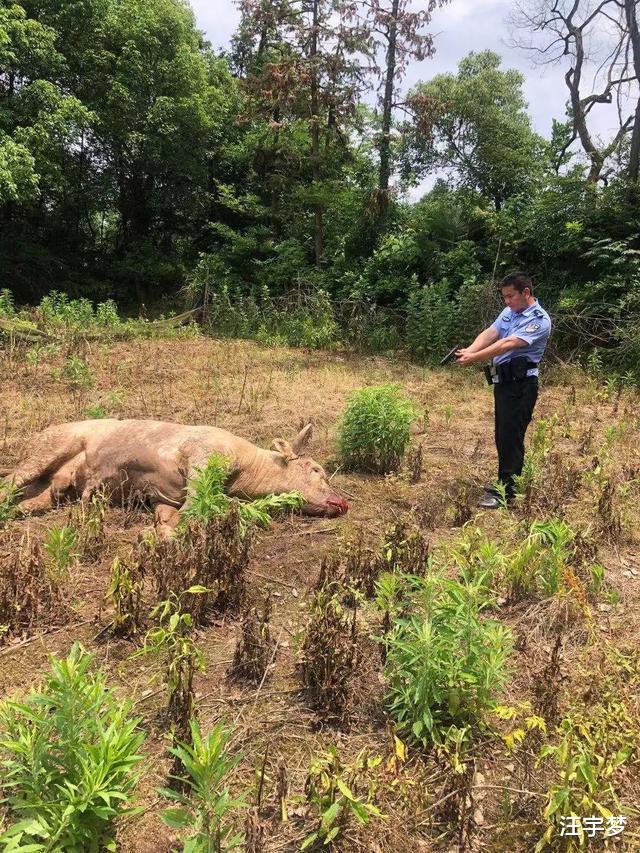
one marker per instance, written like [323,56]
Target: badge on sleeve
[532,327]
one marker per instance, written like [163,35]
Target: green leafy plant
[77,373]
[96,412]
[125,591]
[340,792]
[588,757]
[68,753]
[60,545]
[171,641]
[375,429]
[8,496]
[444,662]
[206,808]
[207,498]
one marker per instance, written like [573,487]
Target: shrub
[172,642]
[329,652]
[375,429]
[255,646]
[430,322]
[68,756]
[444,663]
[213,555]
[205,809]
[340,792]
[125,591]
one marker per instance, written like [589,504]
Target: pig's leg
[165,520]
[41,502]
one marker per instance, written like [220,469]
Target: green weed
[444,662]
[61,547]
[206,808]
[69,753]
[375,429]
[340,793]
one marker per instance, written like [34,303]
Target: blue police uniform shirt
[532,325]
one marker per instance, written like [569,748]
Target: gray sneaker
[489,501]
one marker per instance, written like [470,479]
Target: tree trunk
[315,136]
[634,35]
[387,104]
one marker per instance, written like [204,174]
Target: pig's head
[295,471]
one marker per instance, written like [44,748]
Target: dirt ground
[262,394]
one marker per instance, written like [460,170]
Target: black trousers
[514,404]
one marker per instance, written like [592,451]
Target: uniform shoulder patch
[532,327]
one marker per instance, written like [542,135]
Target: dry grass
[264,393]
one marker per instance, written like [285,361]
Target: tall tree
[564,31]
[474,126]
[399,32]
[307,63]
[631,17]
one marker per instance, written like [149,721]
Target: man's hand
[465,357]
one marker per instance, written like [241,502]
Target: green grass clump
[375,429]
[445,663]
[8,498]
[68,754]
[208,500]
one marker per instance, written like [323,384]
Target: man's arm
[484,339]
[471,356]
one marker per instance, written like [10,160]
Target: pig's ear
[284,449]
[300,442]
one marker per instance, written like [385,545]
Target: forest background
[274,181]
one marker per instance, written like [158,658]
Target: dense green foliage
[445,662]
[375,429]
[137,164]
[69,754]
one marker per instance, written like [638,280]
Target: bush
[206,809]
[375,429]
[430,322]
[444,662]
[68,756]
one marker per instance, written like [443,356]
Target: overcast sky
[459,28]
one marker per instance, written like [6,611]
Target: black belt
[514,370]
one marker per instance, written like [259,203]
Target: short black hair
[517,280]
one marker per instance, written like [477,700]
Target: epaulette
[538,312]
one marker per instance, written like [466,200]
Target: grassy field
[575,653]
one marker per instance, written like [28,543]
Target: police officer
[514,345]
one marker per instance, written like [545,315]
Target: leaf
[309,840]
[176,817]
[345,790]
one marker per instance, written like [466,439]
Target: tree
[475,127]
[631,16]
[305,60]
[571,31]
[122,112]
[398,31]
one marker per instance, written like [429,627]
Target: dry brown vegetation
[585,654]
